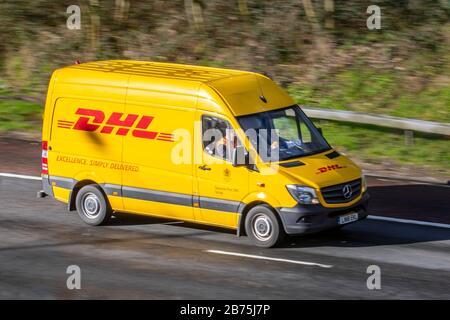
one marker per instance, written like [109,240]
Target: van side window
[217,136]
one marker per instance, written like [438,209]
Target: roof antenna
[263,99]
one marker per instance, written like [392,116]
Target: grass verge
[18,115]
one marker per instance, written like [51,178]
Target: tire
[92,205]
[263,227]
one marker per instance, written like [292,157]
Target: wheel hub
[91,205]
[262,227]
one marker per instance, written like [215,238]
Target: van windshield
[283,134]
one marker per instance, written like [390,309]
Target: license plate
[348,218]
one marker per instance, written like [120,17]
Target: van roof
[160,70]
[244,92]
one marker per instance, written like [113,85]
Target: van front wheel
[92,206]
[263,227]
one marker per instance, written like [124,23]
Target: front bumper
[304,219]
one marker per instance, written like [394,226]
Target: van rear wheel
[263,227]
[92,206]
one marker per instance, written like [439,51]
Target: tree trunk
[329,13]
[243,7]
[122,8]
[312,18]
[194,13]
[94,30]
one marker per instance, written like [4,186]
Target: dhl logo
[329,168]
[94,120]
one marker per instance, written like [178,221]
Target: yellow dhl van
[132,136]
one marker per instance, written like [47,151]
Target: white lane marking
[306,263]
[408,221]
[19,176]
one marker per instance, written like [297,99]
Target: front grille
[335,194]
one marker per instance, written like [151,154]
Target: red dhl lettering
[118,123]
[329,168]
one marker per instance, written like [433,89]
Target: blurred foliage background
[320,50]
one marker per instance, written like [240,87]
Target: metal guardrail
[408,125]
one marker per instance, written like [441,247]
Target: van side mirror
[240,157]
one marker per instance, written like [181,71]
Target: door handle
[205,167]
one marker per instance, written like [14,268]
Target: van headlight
[363,184]
[303,195]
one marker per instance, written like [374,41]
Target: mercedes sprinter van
[219,147]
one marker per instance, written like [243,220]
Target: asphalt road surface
[145,258]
